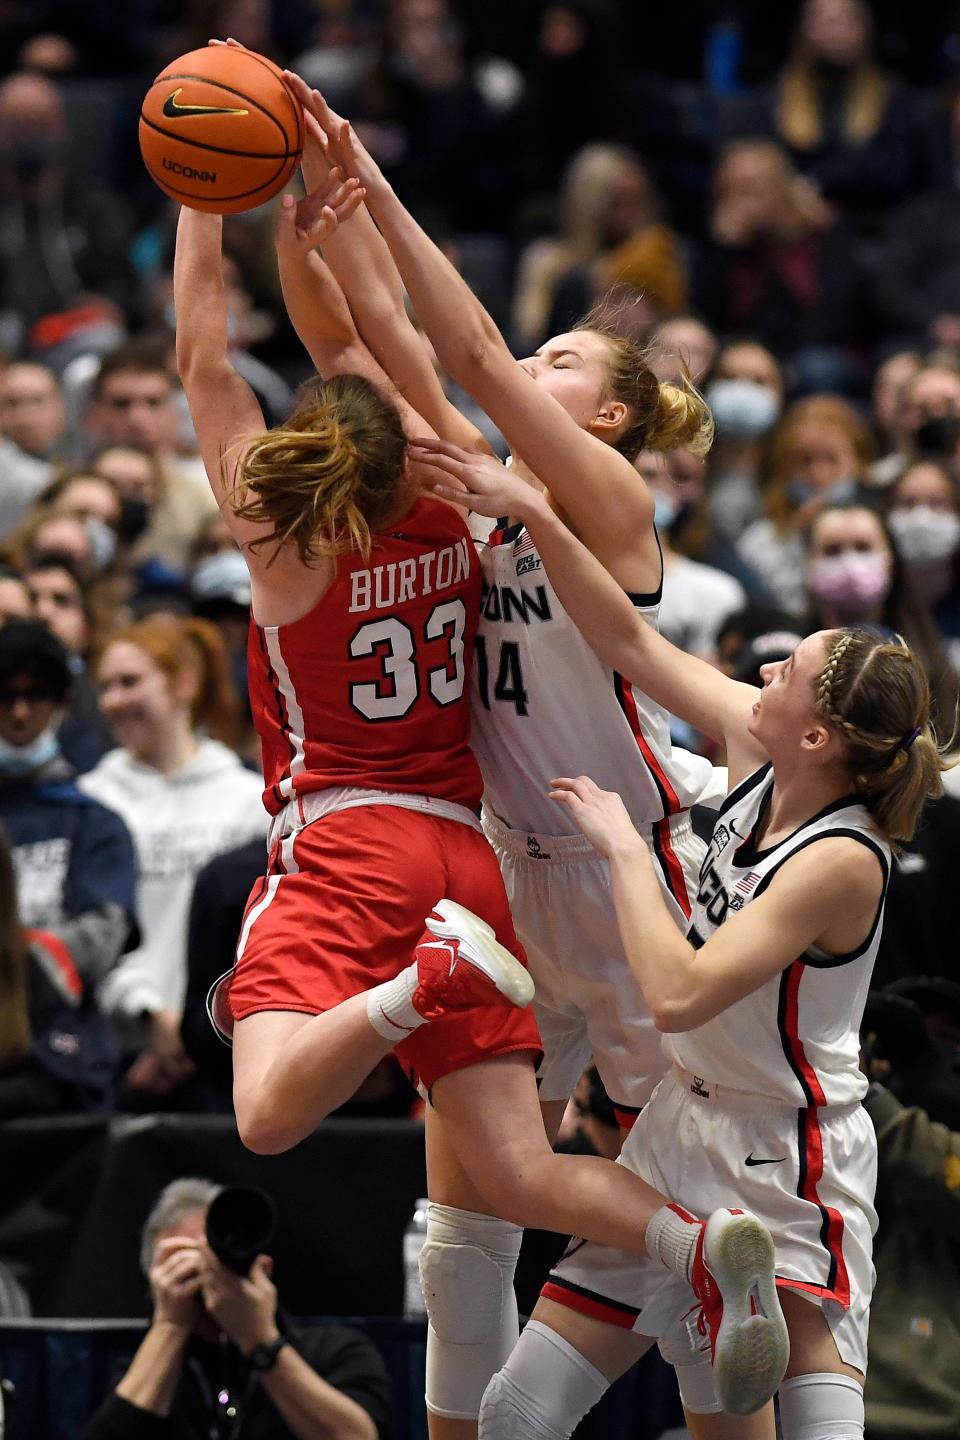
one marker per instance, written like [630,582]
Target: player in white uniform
[545,704]
[576,414]
[761,1002]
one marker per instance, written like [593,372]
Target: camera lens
[241,1222]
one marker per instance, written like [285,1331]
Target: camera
[241,1222]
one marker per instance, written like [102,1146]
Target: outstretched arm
[685,987]
[309,287]
[682,683]
[225,410]
[362,265]
[598,488]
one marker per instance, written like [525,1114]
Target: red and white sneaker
[466,965]
[733,1278]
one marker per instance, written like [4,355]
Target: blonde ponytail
[328,477]
[876,694]
[659,416]
[681,421]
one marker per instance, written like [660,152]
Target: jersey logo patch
[699,1087]
[528,563]
[764,1160]
[721,836]
[748,883]
[534,850]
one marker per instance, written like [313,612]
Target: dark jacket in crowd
[344,1358]
[918,266]
[913,1382]
[921,928]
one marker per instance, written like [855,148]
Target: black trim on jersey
[646,602]
[824,1214]
[695,938]
[744,788]
[618,1305]
[752,856]
[626,1109]
[830,962]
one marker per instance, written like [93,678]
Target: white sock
[671,1237]
[390,1007]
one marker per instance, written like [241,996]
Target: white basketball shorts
[810,1179]
[587,1001]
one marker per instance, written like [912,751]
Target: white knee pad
[688,1350]
[466,1270]
[543,1391]
[821,1407]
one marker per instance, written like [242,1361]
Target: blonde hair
[825,412]
[661,415]
[799,114]
[587,182]
[327,477]
[177,644]
[875,692]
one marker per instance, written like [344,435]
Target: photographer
[220,1361]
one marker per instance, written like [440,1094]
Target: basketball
[220,130]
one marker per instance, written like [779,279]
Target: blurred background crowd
[771,192]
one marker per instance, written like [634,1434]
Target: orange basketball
[221,130]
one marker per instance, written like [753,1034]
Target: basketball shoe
[465,965]
[733,1278]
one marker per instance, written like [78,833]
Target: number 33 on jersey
[376,672]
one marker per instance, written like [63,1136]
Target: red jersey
[367,688]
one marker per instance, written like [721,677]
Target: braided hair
[875,693]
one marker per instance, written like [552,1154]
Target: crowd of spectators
[769,193]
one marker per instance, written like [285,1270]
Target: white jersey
[796,1038]
[544,705]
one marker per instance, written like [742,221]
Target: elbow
[466,354]
[673,1016]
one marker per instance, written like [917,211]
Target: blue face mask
[841,493]
[665,510]
[19,760]
[742,409]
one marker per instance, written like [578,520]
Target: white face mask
[924,535]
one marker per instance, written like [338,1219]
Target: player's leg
[821,1397]
[466,1267]
[491,1119]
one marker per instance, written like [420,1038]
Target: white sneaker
[477,944]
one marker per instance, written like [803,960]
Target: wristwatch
[264,1357]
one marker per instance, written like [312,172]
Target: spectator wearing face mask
[819,455]
[923,513]
[62,234]
[32,422]
[856,577]
[887,411]
[746,398]
[697,598]
[61,601]
[925,423]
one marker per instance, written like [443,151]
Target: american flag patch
[748,883]
[525,545]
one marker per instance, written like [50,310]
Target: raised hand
[469,478]
[305,224]
[336,135]
[600,814]
[175,1279]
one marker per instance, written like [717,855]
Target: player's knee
[466,1270]
[823,1406]
[543,1391]
[262,1125]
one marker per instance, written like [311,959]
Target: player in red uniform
[365,592]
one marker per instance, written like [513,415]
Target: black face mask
[134,518]
[28,155]
[939,435]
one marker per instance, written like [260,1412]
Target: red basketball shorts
[341,909]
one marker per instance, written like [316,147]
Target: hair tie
[908,740]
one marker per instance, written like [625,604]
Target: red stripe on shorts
[586,1302]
